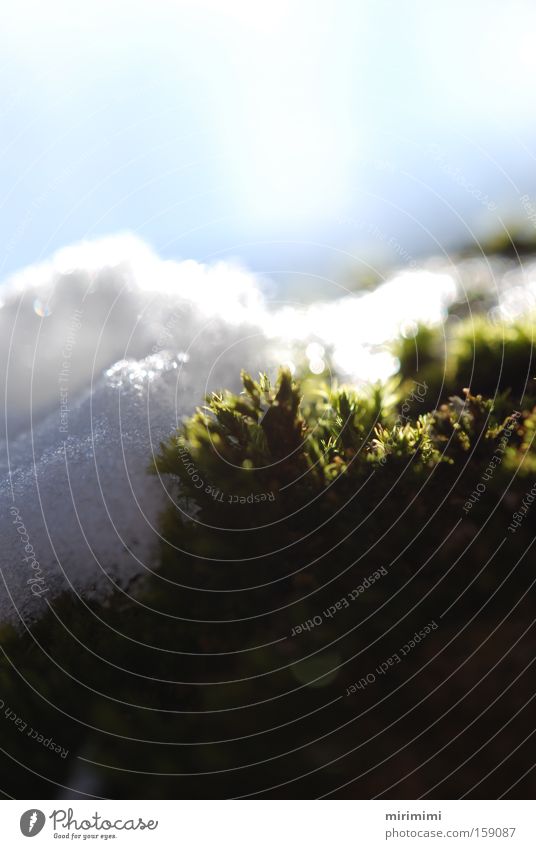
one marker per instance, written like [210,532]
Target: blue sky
[301,137]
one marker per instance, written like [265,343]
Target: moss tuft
[319,505]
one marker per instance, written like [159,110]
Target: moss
[290,498]
[494,358]
[513,242]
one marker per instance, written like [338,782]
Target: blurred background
[316,142]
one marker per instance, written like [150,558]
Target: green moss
[496,357]
[493,358]
[285,499]
[513,242]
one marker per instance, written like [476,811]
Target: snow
[105,349]
[101,366]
